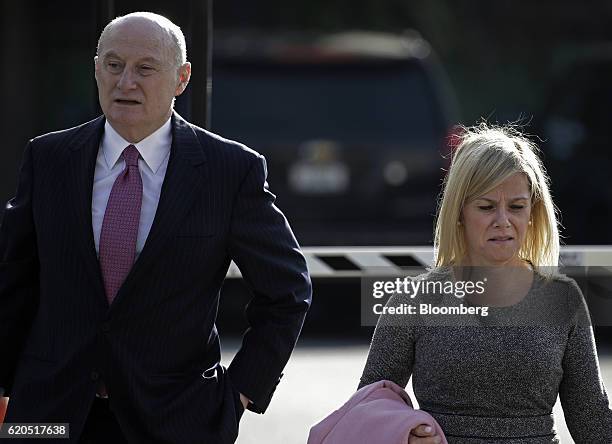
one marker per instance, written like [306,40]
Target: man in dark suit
[113,252]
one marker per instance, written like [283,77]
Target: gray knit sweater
[493,380]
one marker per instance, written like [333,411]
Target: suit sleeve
[585,403]
[268,255]
[19,282]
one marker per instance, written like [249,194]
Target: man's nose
[127,80]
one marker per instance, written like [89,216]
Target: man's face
[137,78]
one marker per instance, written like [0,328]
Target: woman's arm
[391,354]
[582,392]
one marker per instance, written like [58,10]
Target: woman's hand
[424,434]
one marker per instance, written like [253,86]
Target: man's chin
[125,119]
[119,111]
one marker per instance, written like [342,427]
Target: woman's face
[495,224]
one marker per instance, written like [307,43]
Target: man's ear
[184,76]
[96,66]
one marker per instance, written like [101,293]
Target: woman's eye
[517,207]
[485,207]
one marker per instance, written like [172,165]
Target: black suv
[353,126]
[575,126]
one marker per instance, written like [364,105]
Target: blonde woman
[495,378]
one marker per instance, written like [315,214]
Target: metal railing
[341,262]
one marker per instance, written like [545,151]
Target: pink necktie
[120,225]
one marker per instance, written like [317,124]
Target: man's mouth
[127,102]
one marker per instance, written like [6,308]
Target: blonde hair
[485,157]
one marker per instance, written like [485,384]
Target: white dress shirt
[154,154]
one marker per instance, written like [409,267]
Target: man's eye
[113,66]
[146,69]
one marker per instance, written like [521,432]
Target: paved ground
[318,379]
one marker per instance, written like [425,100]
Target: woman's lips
[501,239]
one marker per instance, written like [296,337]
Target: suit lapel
[84,150]
[185,176]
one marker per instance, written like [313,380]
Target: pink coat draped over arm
[379,413]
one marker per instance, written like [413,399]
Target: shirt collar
[153,149]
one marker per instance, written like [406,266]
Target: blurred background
[354,104]
[350,101]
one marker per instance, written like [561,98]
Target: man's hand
[424,434]
[244,400]
[3,405]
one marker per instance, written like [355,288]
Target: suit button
[105,327]
[95,376]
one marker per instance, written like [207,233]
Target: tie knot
[130,155]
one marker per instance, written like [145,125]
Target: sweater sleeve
[583,394]
[391,354]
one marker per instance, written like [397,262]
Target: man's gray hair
[178,47]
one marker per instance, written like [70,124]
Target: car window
[375,103]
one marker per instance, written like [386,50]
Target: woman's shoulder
[563,289]
[438,273]
[553,281]
[412,290]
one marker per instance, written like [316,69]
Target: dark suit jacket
[156,347]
